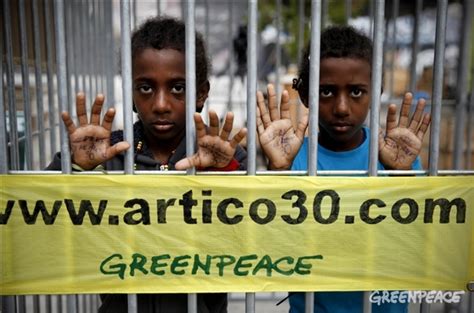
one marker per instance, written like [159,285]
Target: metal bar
[82,42]
[462,84]
[98,47]
[39,83]
[371,17]
[231,53]
[469,122]
[377,67]
[25,77]
[190,29]
[441,17]
[309,302]
[251,86]
[316,11]
[88,47]
[3,119]
[110,58]
[278,49]
[49,75]
[158,7]
[348,11]
[76,26]
[415,48]
[62,80]
[69,54]
[127,81]
[134,13]
[13,131]
[250,302]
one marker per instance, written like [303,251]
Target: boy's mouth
[341,127]
[163,125]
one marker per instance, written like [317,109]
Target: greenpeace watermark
[433,296]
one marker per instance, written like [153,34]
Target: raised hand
[214,150]
[90,142]
[279,140]
[402,141]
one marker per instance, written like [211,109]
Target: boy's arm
[215,151]
[402,141]
[279,140]
[90,142]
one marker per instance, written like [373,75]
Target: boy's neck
[163,150]
[339,146]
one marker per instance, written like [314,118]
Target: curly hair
[169,33]
[336,42]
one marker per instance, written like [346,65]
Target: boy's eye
[145,89]
[178,89]
[325,92]
[356,93]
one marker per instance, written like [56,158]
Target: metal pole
[377,68]
[278,49]
[469,125]
[69,54]
[231,53]
[110,58]
[13,131]
[415,48]
[127,82]
[377,63]
[252,86]
[462,84]
[50,78]
[62,80]
[25,77]
[39,83]
[315,44]
[89,56]
[316,11]
[251,110]
[3,125]
[437,97]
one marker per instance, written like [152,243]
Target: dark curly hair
[169,33]
[336,42]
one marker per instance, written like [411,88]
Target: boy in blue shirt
[343,141]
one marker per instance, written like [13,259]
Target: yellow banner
[156,234]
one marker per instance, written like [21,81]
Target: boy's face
[344,100]
[159,81]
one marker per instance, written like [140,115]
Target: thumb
[186,163]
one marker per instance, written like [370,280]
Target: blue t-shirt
[341,302]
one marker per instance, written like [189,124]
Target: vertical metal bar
[371,17]
[316,11]
[13,131]
[462,84]
[69,54]
[251,109]
[231,53]
[76,26]
[39,84]
[3,123]
[470,127]
[49,75]
[393,43]
[441,17]
[415,48]
[377,63]
[25,77]
[190,82]
[278,49]
[21,304]
[88,48]
[62,80]
[127,83]
[251,87]
[134,13]
[471,299]
[82,43]
[110,58]
[36,304]
[97,45]
[348,11]
[377,68]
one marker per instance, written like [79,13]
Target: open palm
[278,138]
[402,141]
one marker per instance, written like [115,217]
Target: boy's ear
[202,96]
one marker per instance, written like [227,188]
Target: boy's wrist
[279,167]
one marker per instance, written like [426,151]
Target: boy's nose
[341,106]
[160,105]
